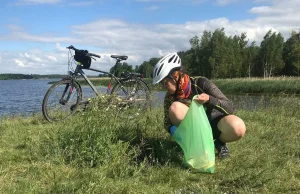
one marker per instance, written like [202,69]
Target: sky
[34,34]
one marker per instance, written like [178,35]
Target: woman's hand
[202,98]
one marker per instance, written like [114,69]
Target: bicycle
[132,92]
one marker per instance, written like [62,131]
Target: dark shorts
[214,126]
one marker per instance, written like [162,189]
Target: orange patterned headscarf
[183,85]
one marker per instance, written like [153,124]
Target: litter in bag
[194,135]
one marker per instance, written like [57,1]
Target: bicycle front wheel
[132,98]
[61,100]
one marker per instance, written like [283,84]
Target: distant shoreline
[12,76]
[31,79]
[15,76]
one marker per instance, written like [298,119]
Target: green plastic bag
[194,135]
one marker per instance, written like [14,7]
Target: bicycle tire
[134,95]
[64,100]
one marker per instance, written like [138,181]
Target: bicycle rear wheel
[132,98]
[61,100]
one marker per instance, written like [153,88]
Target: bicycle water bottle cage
[82,57]
[119,57]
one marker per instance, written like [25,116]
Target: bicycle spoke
[133,96]
[61,101]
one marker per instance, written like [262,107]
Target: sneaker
[223,151]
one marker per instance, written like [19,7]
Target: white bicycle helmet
[167,64]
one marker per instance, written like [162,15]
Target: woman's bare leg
[232,127]
[177,112]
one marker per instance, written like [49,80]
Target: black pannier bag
[80,56]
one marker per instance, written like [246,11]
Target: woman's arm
[216,98]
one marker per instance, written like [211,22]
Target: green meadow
[273,85]
[277,85]
[96,152]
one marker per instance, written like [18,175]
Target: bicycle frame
[79,70]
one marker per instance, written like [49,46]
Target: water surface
[26,96]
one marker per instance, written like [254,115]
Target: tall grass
[275,85]
[280,85]
[96,152]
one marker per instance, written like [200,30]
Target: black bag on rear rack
[80,56]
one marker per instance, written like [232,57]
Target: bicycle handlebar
[85,51]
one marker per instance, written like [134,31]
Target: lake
[25,96]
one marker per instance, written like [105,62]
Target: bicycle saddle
[120,57]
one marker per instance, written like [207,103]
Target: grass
[94,152]
[276,85]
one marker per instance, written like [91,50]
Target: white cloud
[33,62]
[280,14]
[139,41]
[261,10]
[31,58]
[60,48]
[18,33]
[51,58]
[22,2]
[19,63]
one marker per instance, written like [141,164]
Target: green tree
[200,54]
[186,60]
[146,69]
[291,55]
[235,49]
[120,67]
[271,54]
[153,61]
[250,59]
[194,64]
[218,59]
[242,55]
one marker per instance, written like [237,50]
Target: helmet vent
[175,59]
[155,72]
[160,69]
[170,60]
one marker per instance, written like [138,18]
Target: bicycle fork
[68,89]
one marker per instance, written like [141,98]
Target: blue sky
[34,33]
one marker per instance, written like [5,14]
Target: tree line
[10,76]
[216,55]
